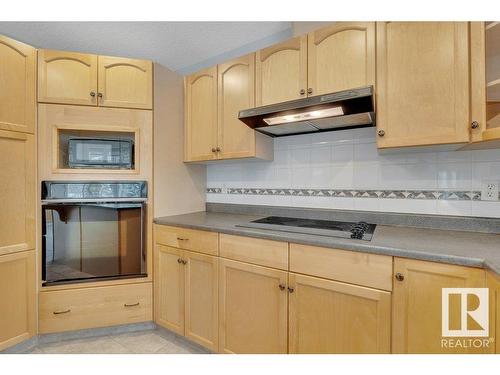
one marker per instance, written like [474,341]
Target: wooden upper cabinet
[417,304]
[281,72]
[332,317]
[253,309]
[422,83]
[17,293]
[17,89]
[200,103]
[236,91]
[125,83]
[17,216]
[67,77]
[485,84]
[341,57]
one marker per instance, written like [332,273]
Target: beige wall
[300,28]
[178,188]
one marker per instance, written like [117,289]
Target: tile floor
[143,342]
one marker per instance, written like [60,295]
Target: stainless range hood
[338,110]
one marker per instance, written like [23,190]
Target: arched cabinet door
[17,88]
[67,78]
[125,83]
[341,57]
[200,103]
[236,92]
[281,72]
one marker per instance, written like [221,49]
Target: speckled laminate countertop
[446,246]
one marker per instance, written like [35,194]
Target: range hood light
[329,112]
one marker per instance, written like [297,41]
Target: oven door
[88,241]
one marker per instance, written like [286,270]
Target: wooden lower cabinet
[17,298]
[253,304]
[418,302]
[73,309]
[333,317]
[186,294]
[493,282]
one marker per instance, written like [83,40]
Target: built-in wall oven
[93,231]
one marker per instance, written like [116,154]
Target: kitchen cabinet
[281,72]
[18,296]
[85,79]
[200,102]
[422,84]
[125,83]
[213,98]
[485,84]
[186,294]
[333,317]
[93,307]
[17,91]
[17,216]
[253,302]
[493,283]
[417,296]
[341,57]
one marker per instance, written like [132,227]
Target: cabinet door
[17,89]
[169,288]
[493,281]
[422,83]
[253,309]
[17,293]
[417,303]
[67,77]
[200,90]
[341,57]
[125,83]
[236,91]
[201,280]
[332,317]
[281,72]
[17,192]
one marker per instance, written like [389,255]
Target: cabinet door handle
[99,94]
[214,149]
[310,90]
[179,260]
[218,149]
[92,94]
[62,312]
[131,304]
[302,92]
[399,276]
[282,286]
[381,133]
[290,290]
[474,125]
[183,261]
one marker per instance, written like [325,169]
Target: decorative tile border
[348,193]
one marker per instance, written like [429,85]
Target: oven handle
[93,200]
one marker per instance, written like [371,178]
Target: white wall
[347,161]
[178,188]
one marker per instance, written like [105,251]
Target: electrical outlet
[489,192]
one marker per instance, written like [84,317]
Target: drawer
[189,239]
[254,250]
[74,309]
[370,270]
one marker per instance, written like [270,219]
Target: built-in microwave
[100,153]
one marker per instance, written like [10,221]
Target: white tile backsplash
[349,159]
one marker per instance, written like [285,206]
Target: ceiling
[181,46]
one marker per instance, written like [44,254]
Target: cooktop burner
[344,229]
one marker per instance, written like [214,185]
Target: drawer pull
[182,239]
[62,312]
[131,304]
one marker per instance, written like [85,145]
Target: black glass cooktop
[356,230]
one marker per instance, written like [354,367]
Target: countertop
[445,246]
